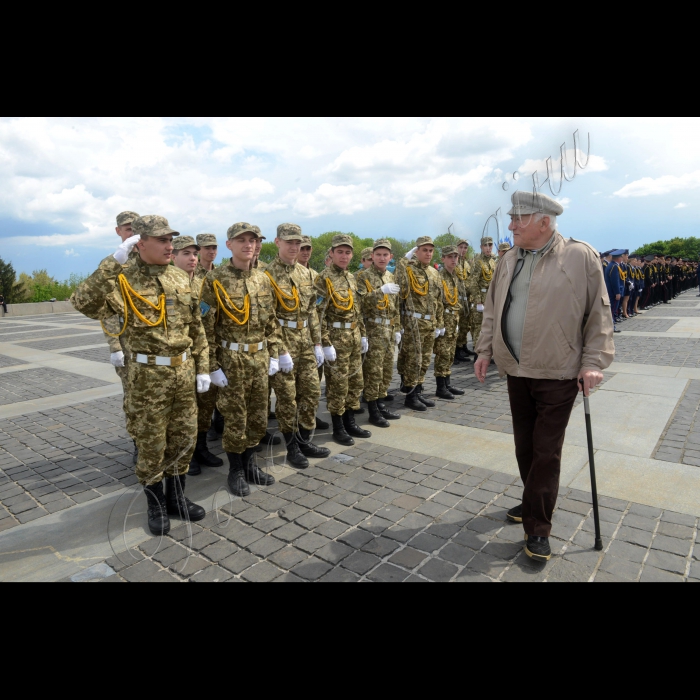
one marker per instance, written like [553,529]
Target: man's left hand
[591,379]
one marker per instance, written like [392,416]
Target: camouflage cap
[328,252]
[206,239]
[185,242]
[367,253]
[487,241]
[342,239]
[526,203]
[126,217]
[425,240]
[504,246]
[153,226]
[449,250]
[239,229]
[306,242]
[462,241]
[382,243]
[289,232]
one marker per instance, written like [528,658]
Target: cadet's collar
[340,270]
[151,270]
[421,266]
[284,264]
[244,274]
[378,271]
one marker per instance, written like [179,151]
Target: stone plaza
[424,501]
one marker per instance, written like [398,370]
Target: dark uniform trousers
[541,411]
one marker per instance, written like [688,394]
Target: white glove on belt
[411,253]
[442,332]
[437,333]
[286,364]
[203,383]
[480,308]
[365,345]
[219,379]
[117,359]
[122,254]
[320,357]
[391,289]
[399,338]
[330,354]
[274,367]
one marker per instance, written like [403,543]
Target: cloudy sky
[64,179]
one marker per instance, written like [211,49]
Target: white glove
[122,254]
[442,332]
[274,367]
[411,253]
[480,308]
[391,289]
[218,378]
[437,333]
[203,383]
[365,345]
[286,364]
[399,338]
[330,354]
[117,359]
[320,357]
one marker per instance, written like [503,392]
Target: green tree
[677,247]
[10,288]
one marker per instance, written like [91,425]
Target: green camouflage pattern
[289,232]
[183,242]
[342,239]
[446,346]
[206,403]
[366,254]
[127,217]
[478,290]
[382,243]
[153,226]
[463,272]
[241,228]
[205,240]
[416,352]
[424,240]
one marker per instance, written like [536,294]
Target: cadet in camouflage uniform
[423,320]
[366,259]
[243,335]
[463,272]
[483,268]
[168,361]
[185,259]
[298,391]
[503,249]
[446,344]
[344,341]
[380,306]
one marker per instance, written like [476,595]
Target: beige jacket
[568,323]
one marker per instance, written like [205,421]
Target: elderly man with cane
[548,325]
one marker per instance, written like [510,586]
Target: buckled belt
[293,324]
[384,321]
[345,326]
[420,317]
[237,347]
[155,361]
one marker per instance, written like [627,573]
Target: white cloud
[596,164]
[682,205]
[564,201]
[649,186]
[72,254]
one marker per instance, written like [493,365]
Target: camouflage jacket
[482,274]
[262,323]
[114,324]
[200,273]
[288,278]
[345,286]
[451,288]
[369,284]
[100,297]
[463,272]
[429,304]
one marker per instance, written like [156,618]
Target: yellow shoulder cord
[486,273]
[283,297]
[450,296]
[128,292]
[381,305]
[245,311]
[420,289]
[623,275]
[340,303]
[461,273]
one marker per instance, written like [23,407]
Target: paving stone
[311,521]
[667,562]
[645,511]
[288,558]
[190,566]
[311,543]
[330,509]
[565,571]
[269,524]
[486,564]
[340,576]
[671,544]
[311,501]
[266,547]
[360,563]
[332,529]
[485,526]
[290,532]
[621,568]
[312,569]
[629,552]
[351,517]
[262,573]
[334,552]
[220,551]
[678,519]
[468,576]
[640,523]
[525,570]
[212,574]
[408,503]
[408,558]
[375,525]
[652,575]
[356,539]
[140,572]
[202,540]
[680,532]
[387,573]
[239,562]
[292,512]
[604,577]
[427,543]
[171,556]
[457,554]
[503,550]
[438,570]
[472,540]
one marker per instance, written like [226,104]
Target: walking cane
[591,459]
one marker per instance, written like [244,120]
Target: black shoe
[386,412]
[217,426]
[352,429]
[308,449]
[202,456]
[375,416]
[422,399]
[617,330]
[158,520]
[413,403]
[403,388]
[442,391]
[294,456]
[321,424]
[237,484]
[538,549]
[339,433]
[271,440]
[458,359]
[253,474]
[359,412]
[136,454]
[195,469]
[453,391]
[469,352]
[389,398]
[179,506]
[516,515]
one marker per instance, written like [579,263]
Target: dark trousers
[541,411]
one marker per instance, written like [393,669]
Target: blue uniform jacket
[613,281]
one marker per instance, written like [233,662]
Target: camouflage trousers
[446,346]
[416,350]
[161,416]
[299,392]
[344,379]
[465,325]
[378,366]
[206,403]
[244,403]
[477,320]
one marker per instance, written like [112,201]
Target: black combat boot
[236,476]
[136,454]
[253,474]
[358,412]
[217,426]
[352,429]
[271,440]
[308,449]
[442,391]
[321,424]
[339,433]
[403,389]
[158,520]
[470,353]
[375,416]
[457,359]
[179,506]
[389,398]
[452,390]
[422,399]
[294,456]
[538,549]
[202,456]
[195,469]
[386,412]
[413,403]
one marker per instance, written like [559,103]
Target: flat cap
[605,255]
[126,217]
[504,246]
[487,241]
[206,239]
[617,253]
[449,250]
[153,226]
[289,232]
[367,253]
[239,229]
[382,243]
[342,239]
[306,242]
[183,242]
[425,240]
[525,203]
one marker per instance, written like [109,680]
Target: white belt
[383,321]
[345,326]
[236,347]
[293,324]
[154,361]
[420,317]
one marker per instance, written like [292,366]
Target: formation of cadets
[199,348]
[637,283]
